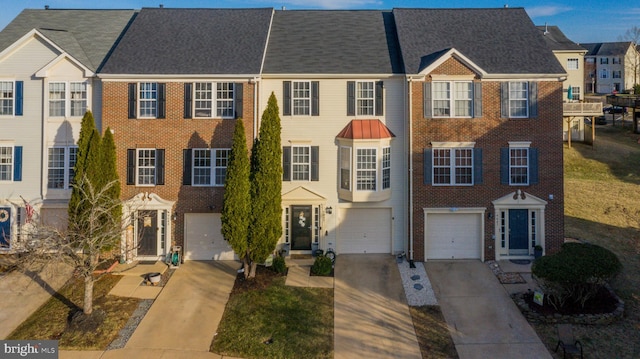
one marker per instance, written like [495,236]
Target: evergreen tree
[236,208]
[265,227]
[108,174]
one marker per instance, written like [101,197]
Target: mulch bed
[264,277]
[603,302]
[510,278]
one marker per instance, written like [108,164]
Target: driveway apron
[186,314]
[371,314]
[483,320]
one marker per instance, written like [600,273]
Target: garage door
[203,240]
[364,230]
[453,235]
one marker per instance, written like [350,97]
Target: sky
[582,21]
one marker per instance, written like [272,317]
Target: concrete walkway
[371,316]
[483,320]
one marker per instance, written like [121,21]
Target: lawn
[50,320]
[601,182]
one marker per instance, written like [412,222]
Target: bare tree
[83,243]
[632,62]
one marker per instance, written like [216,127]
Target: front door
[147,233]
[301,227]
[518,232]
[5,227]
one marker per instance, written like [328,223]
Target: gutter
[410,194]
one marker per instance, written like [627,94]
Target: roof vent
[546,28]
[46,7]
[506,6]
[161,6]
[283,8]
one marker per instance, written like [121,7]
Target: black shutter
[132,100]
[315,98]
[162,100]
[286,163]
[315,163]
[17,163]
[238,94]
[286,98]
[533,99]
[533,166]
[19,98]
[351,98]
[131,166]
[426,163]
[477,166]
[379,102]
[186,167]
[477,99]
[504,165]
[426,99]
[159,167]
[188,103]
[504,99]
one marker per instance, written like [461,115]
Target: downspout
[256,93]
[410,194]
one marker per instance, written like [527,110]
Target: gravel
[128,329]
[416,284]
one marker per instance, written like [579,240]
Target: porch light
[174,216]
[328,210]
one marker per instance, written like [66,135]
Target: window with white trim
[519,99]
[146,166]
[604,60]
[78,98]
[616,60]
[57,91]
[300,163]
[209,167]
[575,93]
[224,100]
[345,168]
[453,166]
[7,98]
[6,163]
[366,169]
[60,171]
[301,98]
[203,99]
[616,74]
[365,98]
[386,167]
[148,99]
[205,104]
[452,99]
[604,74]
[67,99]
[572,64]
[518,166]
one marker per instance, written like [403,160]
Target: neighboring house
[173,90]
[48,65]
[571,57]
[338,79]
[485,103]
[612,66]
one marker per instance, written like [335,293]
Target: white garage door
[453,235]
[203,240]
[364,230]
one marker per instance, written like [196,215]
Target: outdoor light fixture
[174,217]
[328,210]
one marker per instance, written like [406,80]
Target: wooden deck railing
[582,109]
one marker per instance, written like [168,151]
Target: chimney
[546,29]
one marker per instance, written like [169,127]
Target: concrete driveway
[371,315]
[483,320]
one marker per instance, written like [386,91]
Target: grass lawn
[50,320]
[599,183]
[432,332]
[271,320]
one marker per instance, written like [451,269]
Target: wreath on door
[4,215]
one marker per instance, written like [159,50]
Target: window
[146,167]
[61,162]
[572,64]
[519,166]
[57,99]
[604,60]
[78,98]
[461,100]
[616,74]
[210,166]
[386,167]
[604,73]
[6,98]
[616,60]
[148,99]
[205,105]
[575,93]
[301,98]
[590,60]
[441,99]
[224,100]
[366,160]
[6,163]
[365,98]
[518,99]
[67,99]
[452,166]
[300,163]
[345,168]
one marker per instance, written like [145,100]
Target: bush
[322,266]
[576,273]
[279,265]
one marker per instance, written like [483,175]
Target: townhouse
[48,65]
[399,134]
[611,67]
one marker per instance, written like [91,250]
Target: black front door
[147,233]
[5,227]
[301,227]
[518,231]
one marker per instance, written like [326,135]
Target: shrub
[279,265]
[322,266]
[576,273]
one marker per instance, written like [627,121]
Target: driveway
[371,315]
[483,320]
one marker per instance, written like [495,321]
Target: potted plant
[537,251]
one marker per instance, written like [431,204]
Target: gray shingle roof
[607,48]
[332,42]
[86,35]
[500,41]
[192,41]
[556,40]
